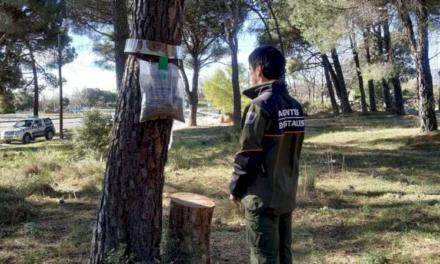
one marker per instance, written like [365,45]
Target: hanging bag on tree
[161,83]
[162,92]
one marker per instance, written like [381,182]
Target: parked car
[28,129]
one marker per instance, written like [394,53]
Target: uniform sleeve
[248,161]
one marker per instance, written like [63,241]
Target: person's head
[266,63]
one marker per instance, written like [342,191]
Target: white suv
[29,129]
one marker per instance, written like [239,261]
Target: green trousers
[269,237]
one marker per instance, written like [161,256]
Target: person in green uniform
[266,169]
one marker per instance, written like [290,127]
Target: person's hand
[234,199]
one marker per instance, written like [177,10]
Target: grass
[370,193]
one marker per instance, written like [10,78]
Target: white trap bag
[162,92]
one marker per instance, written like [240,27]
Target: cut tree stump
[189,229]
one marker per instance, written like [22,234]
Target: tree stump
[189,229]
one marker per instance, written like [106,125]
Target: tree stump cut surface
[189,228]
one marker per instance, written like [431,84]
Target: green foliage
[23,100]
[320,22]
[106,49]
[218,90]
[377,71]
[94,135]
[202,31]
[316,108]
[6,102]
[93,97]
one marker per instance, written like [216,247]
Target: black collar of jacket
[276,86]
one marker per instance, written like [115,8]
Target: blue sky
[83,73]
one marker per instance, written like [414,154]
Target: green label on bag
[163,63]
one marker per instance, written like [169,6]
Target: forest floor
[369,193]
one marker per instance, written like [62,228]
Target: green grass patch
[369,193]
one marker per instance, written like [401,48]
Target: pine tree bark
[386,40]
[338,78]
[232,40]
[328,81]
[185,79]
[387,99]
[129,218]
[121,32]
[359,74]
[420,50]
[194,95]
[371,92]
[36,104]
[398,108]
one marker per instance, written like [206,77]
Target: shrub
[94,136]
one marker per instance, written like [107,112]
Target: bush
[94,136]
[316,108]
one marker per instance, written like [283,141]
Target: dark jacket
[266,169]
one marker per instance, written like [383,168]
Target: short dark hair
[271,60]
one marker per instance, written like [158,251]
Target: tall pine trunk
[371,92]
[426,87]
[359,74]
[36,104]
[194,95]
[387,99]
[236,83]
[398,107]
[372,96]
[343,94]
[329,85]
[232,41]
[185,79]
[399,104]
[420,49]
[129,216]
[120,34]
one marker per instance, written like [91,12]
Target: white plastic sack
[162,92]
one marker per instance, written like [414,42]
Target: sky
[83,72]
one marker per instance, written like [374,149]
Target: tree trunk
[399,104]
[194,98]
[379,39]
[189,229]
[387,99]
[60,84]
[359,74]
[395,80]
[371,92]
[36,104]
[121,33]
[339,75]
[426,87]
[129,218]
[328,81]
[420,49]
[439,92]
[232,40]
[236,83]
[277,26]
[185,79]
